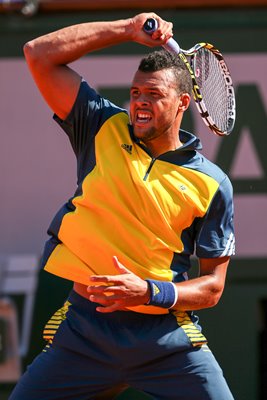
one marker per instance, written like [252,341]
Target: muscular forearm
[204,291]
[48,56]
[198,293]
[69,44]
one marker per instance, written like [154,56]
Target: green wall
[234,30]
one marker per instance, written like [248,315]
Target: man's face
[154,103]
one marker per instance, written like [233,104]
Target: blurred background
[37,172]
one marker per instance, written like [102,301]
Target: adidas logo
[127,147]
[155,289]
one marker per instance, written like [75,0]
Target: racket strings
[211,82]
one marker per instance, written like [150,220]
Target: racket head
[213,88]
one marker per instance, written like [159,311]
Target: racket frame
[187,56]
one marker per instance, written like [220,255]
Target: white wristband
[176,294]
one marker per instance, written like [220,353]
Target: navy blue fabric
[93,353]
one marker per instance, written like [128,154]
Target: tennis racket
[212,83]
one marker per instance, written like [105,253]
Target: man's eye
[154,94]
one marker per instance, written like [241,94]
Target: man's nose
[142,99]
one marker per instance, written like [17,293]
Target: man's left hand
[118,291]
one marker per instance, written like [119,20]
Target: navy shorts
[96,356]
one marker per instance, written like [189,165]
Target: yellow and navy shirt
[152,213]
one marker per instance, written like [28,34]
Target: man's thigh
[61,374]
[193,374]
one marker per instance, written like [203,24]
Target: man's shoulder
[95,99]
[210,168]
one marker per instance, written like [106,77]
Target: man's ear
[184,102]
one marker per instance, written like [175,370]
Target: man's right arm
[48,56]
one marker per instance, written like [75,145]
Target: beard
[145,134]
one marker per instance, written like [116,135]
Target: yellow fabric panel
[194,335]
[53,324]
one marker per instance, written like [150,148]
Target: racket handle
[151,25]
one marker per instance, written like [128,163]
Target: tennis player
[146,201]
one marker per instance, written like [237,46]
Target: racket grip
[151,25]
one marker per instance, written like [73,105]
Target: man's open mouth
[142,117]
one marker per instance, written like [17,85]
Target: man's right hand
[157,38]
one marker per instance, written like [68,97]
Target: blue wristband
[162,294]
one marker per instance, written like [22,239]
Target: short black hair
[162,59]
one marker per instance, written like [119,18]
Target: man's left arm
[117,292]
[204,291]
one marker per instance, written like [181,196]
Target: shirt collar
[189,141]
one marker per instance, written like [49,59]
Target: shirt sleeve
[88,114]
[215,231]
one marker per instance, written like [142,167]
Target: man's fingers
[106,305]
[122,269]
[98,290]
[112,278]
[113,307]
[102,299]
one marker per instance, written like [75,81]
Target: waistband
[124,315]
[142,309]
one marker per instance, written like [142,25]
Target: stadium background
[37,168]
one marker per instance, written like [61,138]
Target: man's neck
[158,147]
